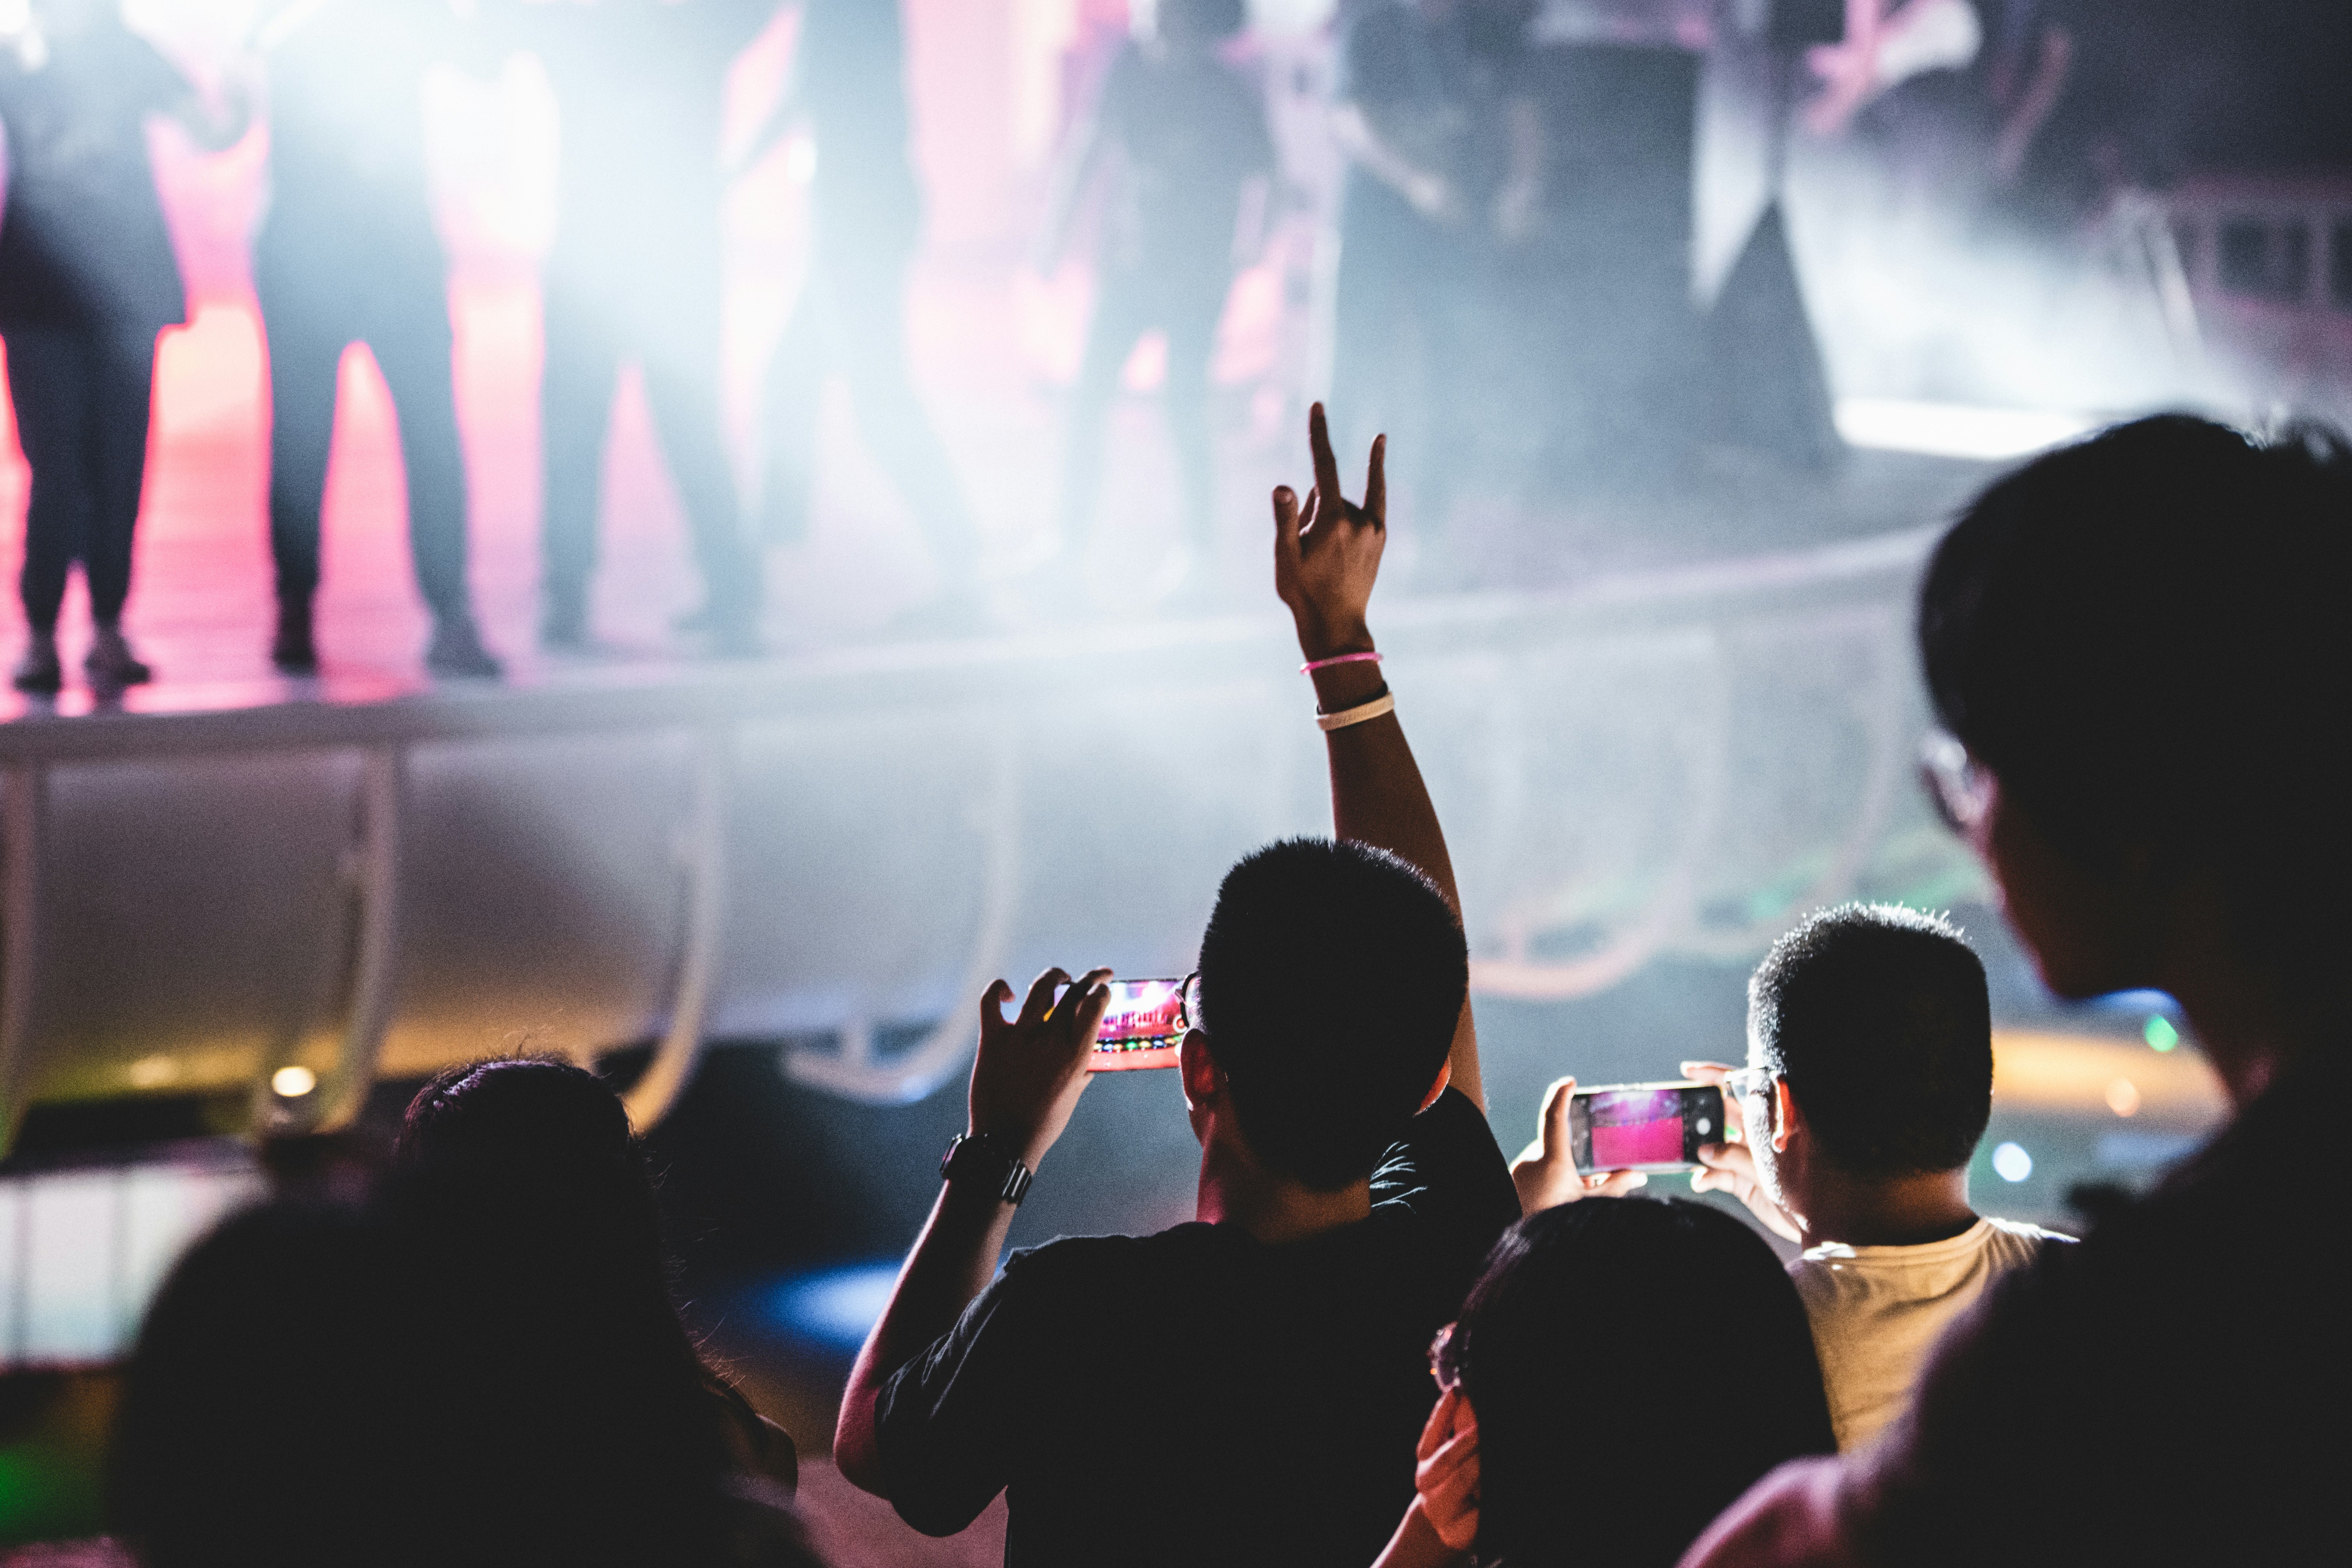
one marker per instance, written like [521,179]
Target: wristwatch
[977,1157]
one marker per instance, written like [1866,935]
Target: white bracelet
[1384,703]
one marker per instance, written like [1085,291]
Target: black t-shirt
[2169,1391]
[1198,1397]
[83,241]
[347,165]
[1192,132]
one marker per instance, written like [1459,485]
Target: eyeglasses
[1749,1082]
[1960,787]
[1438,1344]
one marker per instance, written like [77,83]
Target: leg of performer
[575,405]
[49,382]
[681,372]
[869,297]
[122,384]
[410,334]
[791,397]
[1121,314]
[1383,335]
[1195,305]
[307,337]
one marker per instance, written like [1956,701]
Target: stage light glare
[2012,1163]
[2159,1034]
[292,1083]
[2123,1097]
[1955,429]
[834,1307]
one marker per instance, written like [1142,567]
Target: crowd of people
[1382,1342]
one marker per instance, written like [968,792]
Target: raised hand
[1445,1472]
[1031,1068]
[1545,1173]
[1326,558]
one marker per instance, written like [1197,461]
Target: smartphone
[1142,1028]
[1643,1126]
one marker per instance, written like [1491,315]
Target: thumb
[1553,1127]
[1286,526]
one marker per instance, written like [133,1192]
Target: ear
[1445,1077]
[1202,1083]
[1784,1115]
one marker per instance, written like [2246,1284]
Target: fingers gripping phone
[1643,1126]
[1144,1024]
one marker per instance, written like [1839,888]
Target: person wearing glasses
[2136,644]
[1248,1387]
[1868,1086]
[1601,1338]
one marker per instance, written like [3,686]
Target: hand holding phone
[1546,1171]
[1144,1024]
[1643,1126]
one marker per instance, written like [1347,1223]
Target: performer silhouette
[1189,136]
[87,280]
[850,92]
[635,273]
[1445,153]
[349,253]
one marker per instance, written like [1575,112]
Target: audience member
[1868,1084]
[2134,643]
[1246,1388]
[1601,1338]
[419,1381]
[544,1128]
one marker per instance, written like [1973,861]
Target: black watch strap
[976,1157]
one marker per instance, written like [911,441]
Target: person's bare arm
[1025,1081]
[1326,561]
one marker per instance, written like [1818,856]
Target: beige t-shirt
[1877,1311]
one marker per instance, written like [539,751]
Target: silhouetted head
[1634,1366]
[415,1382]
[533,1116]
[2141,637]
[1332,975]
[1876,1018]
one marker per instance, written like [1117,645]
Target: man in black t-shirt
[1248,1388]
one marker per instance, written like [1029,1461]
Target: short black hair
[2142,636]
[1332,975]
[1581,1350]
[1878,1018]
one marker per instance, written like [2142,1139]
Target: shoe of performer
[111,664]
[40,670]
[291,651]
[458,651]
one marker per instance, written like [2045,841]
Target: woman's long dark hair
[1635,1366]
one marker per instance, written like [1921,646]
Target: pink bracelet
[1313,665]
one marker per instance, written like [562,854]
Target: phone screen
[1145,1024]
[1643,1126]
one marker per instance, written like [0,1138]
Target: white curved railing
[1664,764]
